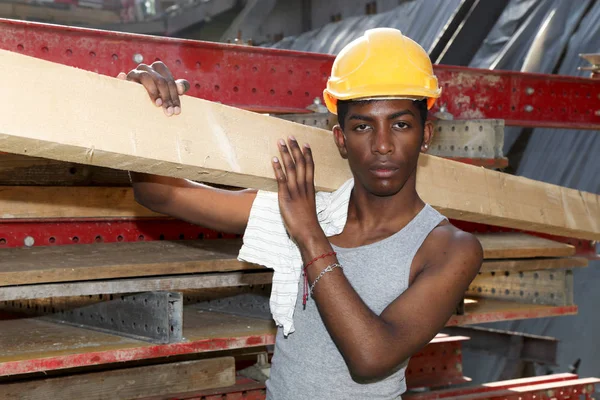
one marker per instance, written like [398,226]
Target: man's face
[382,140]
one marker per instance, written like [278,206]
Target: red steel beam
[443,353]
[570,389]
[54,232]
[488,387]
[90,358]
[438,364]
[248,389]
[272,80]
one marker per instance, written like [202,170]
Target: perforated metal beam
[271,80]
[156,317]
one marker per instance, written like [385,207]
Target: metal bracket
[534,348]
[549,287]
[318,120]
[479,138]
[245,305]
[156,317]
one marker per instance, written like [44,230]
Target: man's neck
[369,211]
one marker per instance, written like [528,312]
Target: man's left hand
[296,190]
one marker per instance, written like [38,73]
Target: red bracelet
[305,291]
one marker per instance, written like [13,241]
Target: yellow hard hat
[383,63]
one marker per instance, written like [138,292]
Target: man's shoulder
[447,244]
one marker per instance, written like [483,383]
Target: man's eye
[401,125]
[361,127]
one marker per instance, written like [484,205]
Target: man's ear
[340,141]
[427,136]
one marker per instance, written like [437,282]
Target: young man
[383,270]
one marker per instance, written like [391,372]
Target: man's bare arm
[218,209]
[222,210]
[374,345]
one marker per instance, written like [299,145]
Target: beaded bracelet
[329,268]
[305,289]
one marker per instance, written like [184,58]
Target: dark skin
[381,141]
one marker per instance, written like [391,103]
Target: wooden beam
[521,245]
[128,383]
[102,261]
[16,169]
[46,264]
[107,122]
[30,202]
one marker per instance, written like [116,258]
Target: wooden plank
[116,128]
[533,264]
[128,383]
[17,170]
[29,202]
[135,285]
[521,245]
[101,261]
[46,264]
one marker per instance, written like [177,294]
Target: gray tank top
[307,364]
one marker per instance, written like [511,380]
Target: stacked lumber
[92,136]
[103,122]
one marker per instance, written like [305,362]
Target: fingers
[161,86]
[310,170]
[281,178]
[146,79]
[290,167]
[173,104]
[182,86]
[300,166]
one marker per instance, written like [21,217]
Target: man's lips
[383,171]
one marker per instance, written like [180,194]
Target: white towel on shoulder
[266,242]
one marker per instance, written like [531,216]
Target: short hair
[344,105]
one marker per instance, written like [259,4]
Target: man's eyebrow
[401,113]
[360,117]
[390,117]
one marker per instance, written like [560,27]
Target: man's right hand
[221,210]
[163,89]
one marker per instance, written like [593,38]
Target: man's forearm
[360,334]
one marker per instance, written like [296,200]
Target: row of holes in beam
[198,65]
[120,238]
[507,274]
[90,316]
[538,92]
[236,67]
[507,292]
[430,370]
